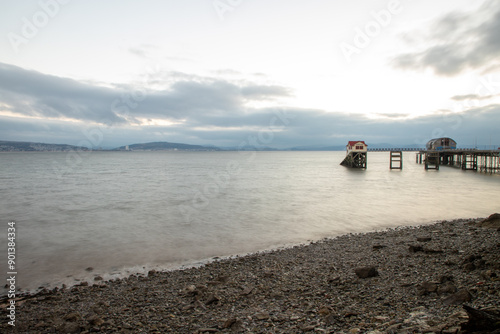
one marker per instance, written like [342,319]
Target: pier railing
[394,149]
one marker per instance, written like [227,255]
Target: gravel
[402,280]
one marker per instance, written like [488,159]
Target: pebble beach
[422,279]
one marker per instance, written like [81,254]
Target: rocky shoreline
[403,280]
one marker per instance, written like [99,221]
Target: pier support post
[355,160]
[432,160]
[396,160]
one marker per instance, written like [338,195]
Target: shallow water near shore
[124,212]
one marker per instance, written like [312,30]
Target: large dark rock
[484,321]
[493,221]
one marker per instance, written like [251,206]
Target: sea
[78,215]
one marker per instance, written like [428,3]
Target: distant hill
[20,146]
[165,146]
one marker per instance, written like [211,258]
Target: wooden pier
[438,152]
[487,161]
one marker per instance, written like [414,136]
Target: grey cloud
[472,97]
[188,97]
[31,93]
[263,92]
[138,51]
[142,50]
[459,42]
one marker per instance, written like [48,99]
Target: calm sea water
[125,212]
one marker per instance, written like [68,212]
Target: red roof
[354,142]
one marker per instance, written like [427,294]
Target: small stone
[472,258]
[488,275]
[433,251]
[95,321]
[424,239]
[469,266]
[447,287]
[223,278]
[89,269]
[334,280]
[324,310]
[381,319]
[376,247]
[262,316]
[366,272]
[445,278]
[308,328]
[74,316]
[68,327]
[331,319]
[212,299]
[191,289]
[208,330]
[460,297]
[98,278]
[415,249]
[229,322]
[426,288]
[40,324]
[246,291]
[393,328]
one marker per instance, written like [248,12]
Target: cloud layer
[459,42]
[197,110]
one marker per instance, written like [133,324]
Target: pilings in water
[469,161]
[355,160]
[396,160]
[487,161]
[431,160]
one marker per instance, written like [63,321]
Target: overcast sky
[233,72]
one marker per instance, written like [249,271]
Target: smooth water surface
[122,212]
